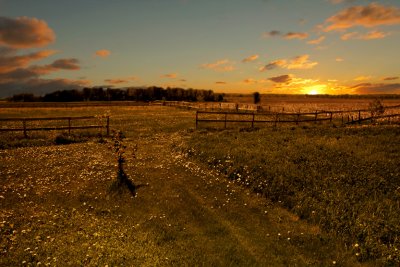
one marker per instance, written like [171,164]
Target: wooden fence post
[24,125]
[197,117]
[108,126]
[252,122]
[226,115]
[331,117]
[316,115]
[69,126]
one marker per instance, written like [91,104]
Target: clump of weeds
[122,182]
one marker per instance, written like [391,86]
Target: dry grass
[56,208]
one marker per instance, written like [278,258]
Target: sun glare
[313,92]
[315,89]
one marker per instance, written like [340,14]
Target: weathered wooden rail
[374,118]
[252,118]
[6,104]
[273,118]
[25,127]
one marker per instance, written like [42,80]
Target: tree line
[116,94]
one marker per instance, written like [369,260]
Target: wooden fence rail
[275,118]
[25,127]
[373,118]
[263,117]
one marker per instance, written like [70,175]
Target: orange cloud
[220,65]
[377,88]
[170,75]
[24,32]
[103,53]
[250,81]
[250,58]
[367,36]
[362,78]
[316,41]
[117,81]
[390,78]
[9,61]
[289,35]
[374,35]
[301,62]
[60,64]
[220,83]
[66,64]
[24,74]
[368,16]
[281,79]
[339,59]
[274,64]
[295,35]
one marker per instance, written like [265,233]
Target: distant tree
[257,97]
[120,94]
[64,96]
[208,95]
[24,98]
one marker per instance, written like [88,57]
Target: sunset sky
[231,46]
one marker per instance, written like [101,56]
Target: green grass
[344,179]
[57,209]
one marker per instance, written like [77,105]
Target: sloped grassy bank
[347,180]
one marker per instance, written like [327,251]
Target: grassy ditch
[347,180]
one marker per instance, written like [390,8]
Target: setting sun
[313,92]
[315,89]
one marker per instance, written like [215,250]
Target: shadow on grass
[123,183]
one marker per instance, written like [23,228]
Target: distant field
[305,104]
[286,196]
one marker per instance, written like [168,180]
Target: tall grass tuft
[122,182]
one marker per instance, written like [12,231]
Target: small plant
[119,149]
[376,108]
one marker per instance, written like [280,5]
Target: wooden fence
[25,127]
[252,118]
[374,118]
[5,104]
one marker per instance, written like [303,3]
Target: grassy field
[270,197]
[344,179]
